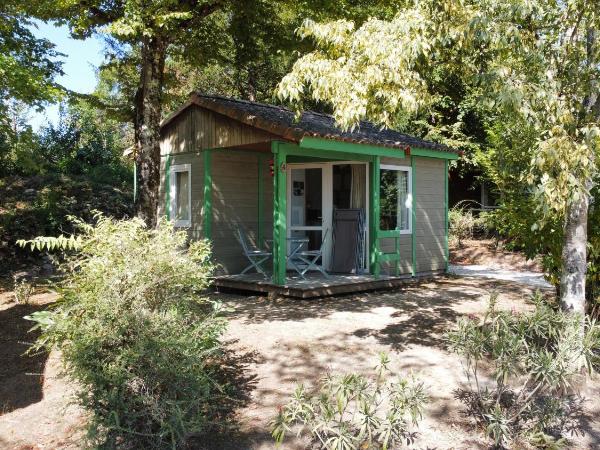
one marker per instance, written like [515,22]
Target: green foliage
[86,142]
[27,65]
[41,205]
[136,334]
[532,357]
[462,223]
[355,412]
[52,243]
[22,290]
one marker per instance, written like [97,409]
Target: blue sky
[80,62]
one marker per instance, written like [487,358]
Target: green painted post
[447,248]
[374,216]
[413,163]
[261,201]
[279,214]
[207,194]
[168,187]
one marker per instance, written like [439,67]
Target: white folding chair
[309,258]
[256,256]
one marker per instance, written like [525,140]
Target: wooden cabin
[230,165]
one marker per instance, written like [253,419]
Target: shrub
[354,412]
[536,359]
[135,333]
[22,290]
[461,223]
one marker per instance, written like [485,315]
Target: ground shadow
[231,371]
[21,375]
[443,292]
[424,311]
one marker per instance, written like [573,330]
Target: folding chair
[309,258]
[255,255]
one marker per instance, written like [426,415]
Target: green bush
[353,412]
[461,223]
[135,333]
[536,359]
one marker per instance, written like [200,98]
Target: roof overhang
[307,139]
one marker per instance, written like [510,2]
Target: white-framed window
[395,198]
[181,195]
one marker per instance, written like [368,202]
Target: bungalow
[361,207]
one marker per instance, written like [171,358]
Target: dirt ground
[485,252]
[286,341]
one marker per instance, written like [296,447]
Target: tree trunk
[574,257]
[147,128]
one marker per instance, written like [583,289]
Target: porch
[314,285]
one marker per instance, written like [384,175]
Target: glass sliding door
[314,190]
[305,205]
[350,192]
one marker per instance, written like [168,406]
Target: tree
[27,65]
[85,141]
[155,33]
[154,29]
[536,60]
[27,71]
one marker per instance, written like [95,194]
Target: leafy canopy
[536,59]
[27,64]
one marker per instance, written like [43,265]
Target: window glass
[395,200]
[182,200]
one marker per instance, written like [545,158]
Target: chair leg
[311,264]
[291,262]
[257,266]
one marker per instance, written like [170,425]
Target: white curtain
[359,185]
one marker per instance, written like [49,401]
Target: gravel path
[531,279]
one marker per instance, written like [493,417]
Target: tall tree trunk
[147,128]
[574,257]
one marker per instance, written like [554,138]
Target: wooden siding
[197,129]
[235,205]
[196,163]
[430,225]
[431,228]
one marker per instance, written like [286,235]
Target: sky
[80,62]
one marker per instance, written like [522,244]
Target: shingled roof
[282,122]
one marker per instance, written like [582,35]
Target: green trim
[261,200]
[392,234]
[374,217]
[168,187]
[323,154]
[223,150]
[397,260]
[446,223]
[429,153]
[207,194]
[390,257]
[309,159]
[135,187]
[413,164]
[279,213]
[349,147]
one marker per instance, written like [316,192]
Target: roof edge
[287,133]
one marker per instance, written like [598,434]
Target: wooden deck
[315,285]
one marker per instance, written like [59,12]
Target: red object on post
[272,167]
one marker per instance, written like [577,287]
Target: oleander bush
[351,412]
[136,334]
[537,360]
